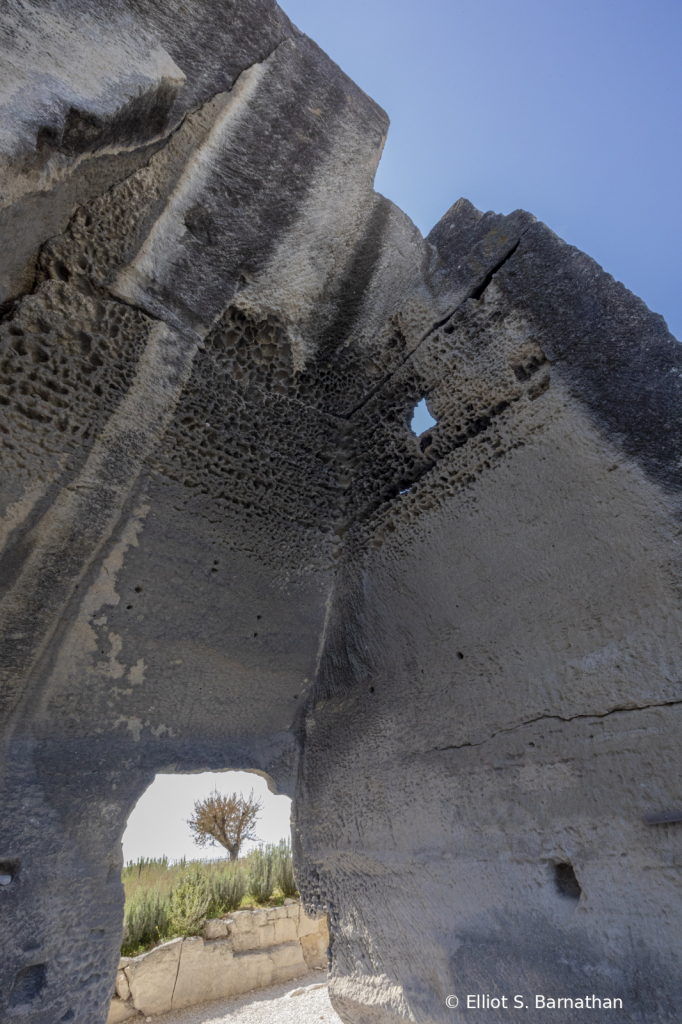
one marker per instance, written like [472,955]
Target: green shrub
[165,900]
[189,902]
[228,888]
[261,874]
[145,919]
[284,869]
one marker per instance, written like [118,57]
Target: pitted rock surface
[223,547]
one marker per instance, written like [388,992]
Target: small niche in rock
[9,869]
[422,420]
[28,984]
[566,883]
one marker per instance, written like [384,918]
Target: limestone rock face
[251,950]
[152,979]
[120,1011]
[215,928]
[223,547]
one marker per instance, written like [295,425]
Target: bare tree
[225,820]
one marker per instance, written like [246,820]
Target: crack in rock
[557,718]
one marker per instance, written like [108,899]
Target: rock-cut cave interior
[225,547]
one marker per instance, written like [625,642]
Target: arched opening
[178,870]
[157,826]
[200,924]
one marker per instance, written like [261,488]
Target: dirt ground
[303,1001]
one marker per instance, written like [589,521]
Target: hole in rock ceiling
[157,826]
[422,420]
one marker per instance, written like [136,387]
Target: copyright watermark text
[483,1001]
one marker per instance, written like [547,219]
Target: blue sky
[571,110]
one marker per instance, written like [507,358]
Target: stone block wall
[250,949]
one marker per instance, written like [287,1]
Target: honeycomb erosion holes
[223,546]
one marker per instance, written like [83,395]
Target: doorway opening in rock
[199,925]
[173,884]
[157,826]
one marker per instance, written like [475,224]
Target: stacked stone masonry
[248,950]
[223,547]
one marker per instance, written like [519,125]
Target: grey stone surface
[223,547]
[110,79]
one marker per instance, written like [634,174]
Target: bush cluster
[164,901]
